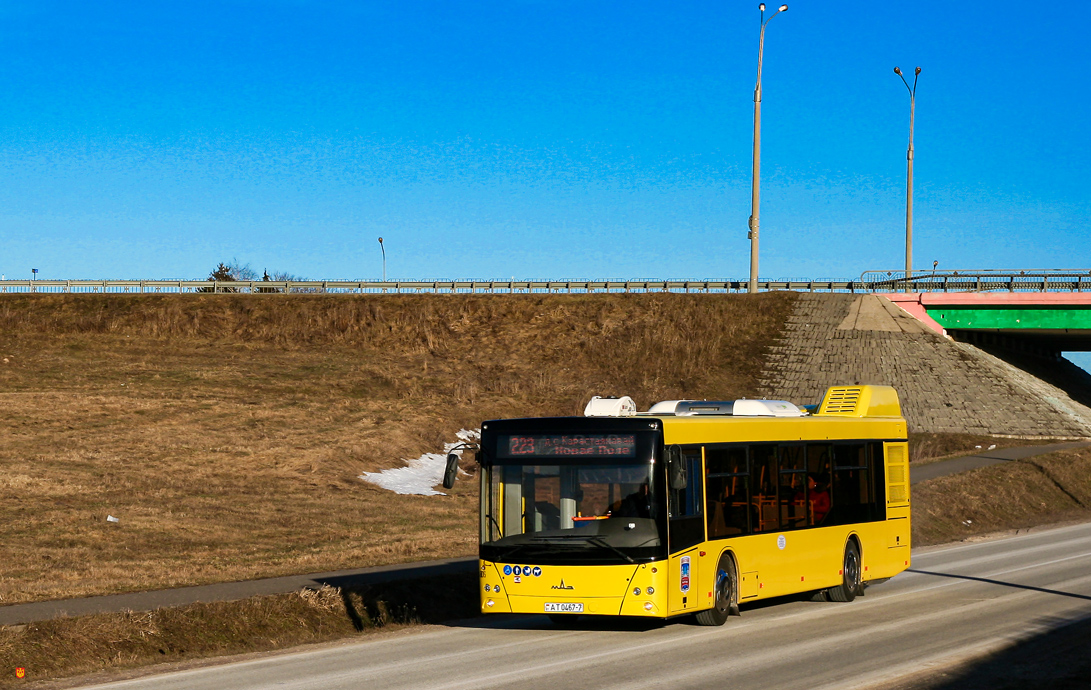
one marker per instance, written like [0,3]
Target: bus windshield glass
[603,506]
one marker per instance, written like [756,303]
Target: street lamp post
[384,258]
[755,191]
[909,179]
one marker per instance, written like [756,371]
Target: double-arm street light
[909,179]
[754,197]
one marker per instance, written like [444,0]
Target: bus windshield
[574,511]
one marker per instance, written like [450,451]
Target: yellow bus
[693,507]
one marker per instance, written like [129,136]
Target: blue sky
[536,139]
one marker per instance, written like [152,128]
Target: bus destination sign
[559,445]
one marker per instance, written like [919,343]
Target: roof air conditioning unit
[610,407]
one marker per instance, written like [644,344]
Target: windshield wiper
[498,530]
[593,539]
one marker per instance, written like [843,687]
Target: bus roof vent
[841,400]
[663,407]
[610,407]
[860,401]
[767,408]
[689,408]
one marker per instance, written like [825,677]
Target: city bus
[692,507]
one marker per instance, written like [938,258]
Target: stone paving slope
[945,386]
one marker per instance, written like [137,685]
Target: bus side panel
[810,559]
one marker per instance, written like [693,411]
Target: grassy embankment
[227,432]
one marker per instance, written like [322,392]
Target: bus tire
[850,575]
[726,594]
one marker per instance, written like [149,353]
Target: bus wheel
[726,594]
[850,578]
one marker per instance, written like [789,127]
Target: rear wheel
[726,593]
[850,576]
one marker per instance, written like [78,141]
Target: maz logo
[561,586]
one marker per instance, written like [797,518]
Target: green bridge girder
[1053,328]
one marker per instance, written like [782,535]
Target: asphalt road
[956,603]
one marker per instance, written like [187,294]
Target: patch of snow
[421,474]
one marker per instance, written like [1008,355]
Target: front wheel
[850,576]
[727,594]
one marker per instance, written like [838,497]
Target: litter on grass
[421,474]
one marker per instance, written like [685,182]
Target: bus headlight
[651,590]
[636,591]
[490,603]
[648,606]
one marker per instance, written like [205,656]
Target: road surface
[956,603]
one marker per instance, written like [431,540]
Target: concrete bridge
[1041,322]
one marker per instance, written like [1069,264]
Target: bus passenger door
[686,532]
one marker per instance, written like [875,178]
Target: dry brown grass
[104,644]
[1013,495]
[227,431]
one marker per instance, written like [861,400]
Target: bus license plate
[568,607]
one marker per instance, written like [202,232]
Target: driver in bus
[637,504]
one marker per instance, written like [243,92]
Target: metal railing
[1035,280]
[414,286]
[870,281]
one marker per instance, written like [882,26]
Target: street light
[384,258]
[909,178]
[754,197]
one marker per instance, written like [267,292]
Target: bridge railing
[417,286]
[870,281]
[1044,280]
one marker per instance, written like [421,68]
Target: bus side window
[851,489]
[877,463]
[764,515]
[793,487]
[727,492]
[819,460]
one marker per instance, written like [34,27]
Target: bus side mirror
[676,468]
[451,472]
